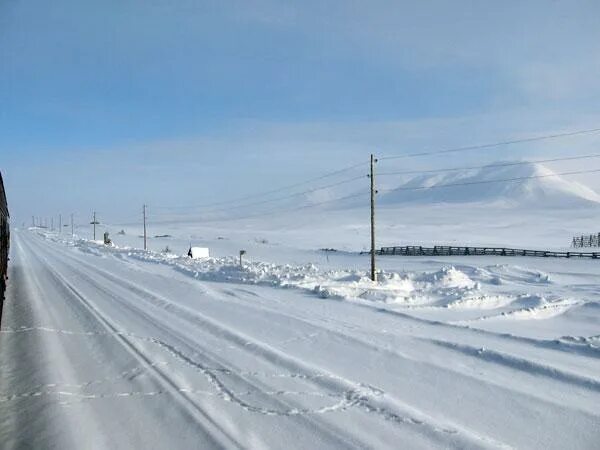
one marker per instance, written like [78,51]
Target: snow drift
[445,288]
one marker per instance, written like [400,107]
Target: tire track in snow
[228,395]
[560,374]
[474,335]
[155,340]
[521,364]
[430,426]
[350,389]
[589,350]
[221,390]
[82,396]
[125,375]
[566,345]
[212,428]
[326,430]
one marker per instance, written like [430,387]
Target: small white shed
[199,252]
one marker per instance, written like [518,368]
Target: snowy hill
[543,190]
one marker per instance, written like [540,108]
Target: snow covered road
[103,351]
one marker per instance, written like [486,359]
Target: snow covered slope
[542,189]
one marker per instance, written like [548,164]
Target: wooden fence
[441,250]
[593,240]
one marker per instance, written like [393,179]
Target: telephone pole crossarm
[94,222]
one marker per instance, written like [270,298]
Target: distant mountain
[543,189]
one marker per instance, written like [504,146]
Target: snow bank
[463,290]
[440,287]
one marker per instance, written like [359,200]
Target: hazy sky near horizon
[108,104]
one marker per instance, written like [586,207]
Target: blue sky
[171,102]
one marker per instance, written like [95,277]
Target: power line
[279,211]
[298,194]
[491,145]
[470,183]
[219,204]
[360,194]
[366,193]
[312,205]
[262,194]
[363,194]
[507,164]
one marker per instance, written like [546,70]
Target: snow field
[473,296]
[128,348]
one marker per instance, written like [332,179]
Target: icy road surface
[104,351]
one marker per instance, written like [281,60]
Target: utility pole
[72,227]
[94,222]
[373,192]
[145,235]
[33,221]
[60,224]
[52,223]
